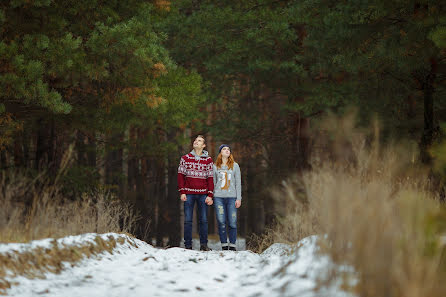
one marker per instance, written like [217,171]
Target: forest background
[105,96]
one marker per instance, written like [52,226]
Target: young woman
[227,196]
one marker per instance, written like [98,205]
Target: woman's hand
[238,203]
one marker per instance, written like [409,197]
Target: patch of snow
[215,245]
[47,243]
[278,249]
[143,270]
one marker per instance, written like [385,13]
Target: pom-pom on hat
[222,146]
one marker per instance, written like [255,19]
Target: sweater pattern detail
[195,174]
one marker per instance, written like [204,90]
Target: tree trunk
[80,148]
[3,159]
[114,161]
[100,156]
[254,204]
[428,131]
[40,144]
[150,217]
[91,152]
[26,140]
[51,147]
[160,196]
[18,151]
[173,202]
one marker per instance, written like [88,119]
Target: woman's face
[225,152]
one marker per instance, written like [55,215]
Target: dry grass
[378,209]
[31,211]
[36,262]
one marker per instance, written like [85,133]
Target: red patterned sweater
[195,174]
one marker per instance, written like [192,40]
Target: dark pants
[202,208]
[226,215]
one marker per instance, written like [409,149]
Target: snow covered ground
[147,271]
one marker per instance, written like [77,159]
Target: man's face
[199,143]
[225,152]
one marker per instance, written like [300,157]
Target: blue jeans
[202,218]
[226,212]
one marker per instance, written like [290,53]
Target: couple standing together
[205,183]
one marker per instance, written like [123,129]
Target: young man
[196,185]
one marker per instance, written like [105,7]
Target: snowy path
[148,271]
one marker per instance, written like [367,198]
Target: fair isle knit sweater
[195,174]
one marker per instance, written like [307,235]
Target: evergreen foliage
[126,83]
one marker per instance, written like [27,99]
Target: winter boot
[204,247]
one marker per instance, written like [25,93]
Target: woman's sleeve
[238,182]
[215,175]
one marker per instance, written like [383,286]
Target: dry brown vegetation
[379,210]
[29,210]
[34,209]
[36,262]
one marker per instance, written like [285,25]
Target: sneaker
[225,248]
[188,247]
[232,248]
[204,247]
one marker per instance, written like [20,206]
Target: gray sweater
[228,182]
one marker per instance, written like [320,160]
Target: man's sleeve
[181,176]
[210,179]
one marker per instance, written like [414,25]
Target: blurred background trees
[128,83]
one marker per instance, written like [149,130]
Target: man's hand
[238,203]
[183,197]
[209,201]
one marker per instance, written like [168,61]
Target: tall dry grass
[33,209]
[378,208]
[36,208]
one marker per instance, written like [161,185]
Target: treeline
[279,66]
[127,83]
[95,75]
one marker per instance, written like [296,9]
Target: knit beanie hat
[222,146]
